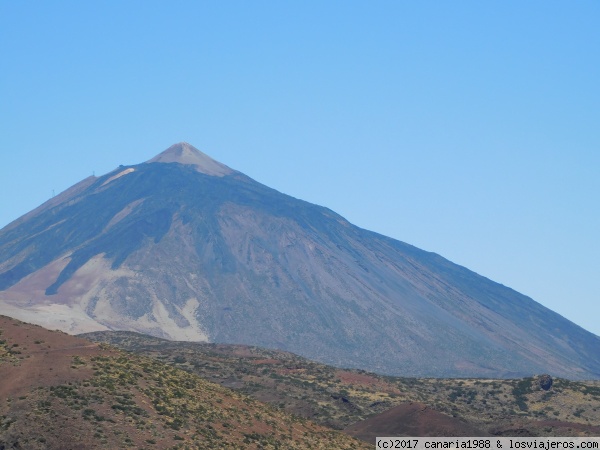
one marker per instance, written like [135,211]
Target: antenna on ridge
[52,192]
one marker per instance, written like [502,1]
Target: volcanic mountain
[186,248]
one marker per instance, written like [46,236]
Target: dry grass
[84,395]
[338,398]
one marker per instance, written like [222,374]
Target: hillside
[186,248]
[362,403]
[63,392]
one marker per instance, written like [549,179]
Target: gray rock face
[186,248]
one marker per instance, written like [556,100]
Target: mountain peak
[184,153]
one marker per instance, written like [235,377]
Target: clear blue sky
[471,129]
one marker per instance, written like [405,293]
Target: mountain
[366,405]
[186,248]
[63,392]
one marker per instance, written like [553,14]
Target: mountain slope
[62,392]
[186,248]
[364,404]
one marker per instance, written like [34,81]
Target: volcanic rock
[545,382]
[186,248]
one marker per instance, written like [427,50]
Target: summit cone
[184,153]
[185,248]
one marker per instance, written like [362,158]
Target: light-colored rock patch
[70,319]
[85,303]
[161,322]
[184,153]
[123,213]
[119,175]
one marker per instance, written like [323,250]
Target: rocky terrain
[365,404]
[59,392]
[186,248]
[63,392]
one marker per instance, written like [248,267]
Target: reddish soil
[265,361]
[83,410]
[45,358]
[364,380]
[543,427]
[410,419]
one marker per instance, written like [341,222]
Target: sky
[470,129]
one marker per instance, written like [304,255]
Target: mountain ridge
[168,250]
[365,404]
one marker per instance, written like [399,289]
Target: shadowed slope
[211,255]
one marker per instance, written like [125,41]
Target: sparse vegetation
[119,400]
[100,397]
[520,390]
[337,398]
